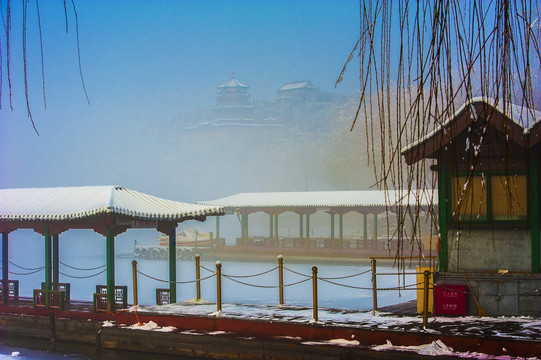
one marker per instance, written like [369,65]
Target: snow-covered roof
[523,117]
[323,199]
[233,83]
[74,203]
[298,85]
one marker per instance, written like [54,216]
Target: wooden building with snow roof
[487,159]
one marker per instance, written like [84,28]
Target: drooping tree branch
[7,24]
[420,60]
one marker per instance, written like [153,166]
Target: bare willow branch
[41,52]
[420,60]
[79,50]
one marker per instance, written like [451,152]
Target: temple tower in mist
[233,104]
[297,92]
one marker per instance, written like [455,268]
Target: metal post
[281,278]
[425,299]
[218,286]
[314,290]
[56,259]
[173,265]
[374,287]
[134,268]
[198,276]
[110,257]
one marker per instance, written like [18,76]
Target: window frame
[454,220]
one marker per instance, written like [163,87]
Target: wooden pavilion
[108,210]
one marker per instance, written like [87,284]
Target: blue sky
[144,64]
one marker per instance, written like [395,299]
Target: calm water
[330,295]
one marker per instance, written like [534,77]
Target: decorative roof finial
[233,75]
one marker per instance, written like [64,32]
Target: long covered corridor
[377,216]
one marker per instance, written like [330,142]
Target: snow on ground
[338,342]
[438,348]
[150,326]
[522,328]
[526,328]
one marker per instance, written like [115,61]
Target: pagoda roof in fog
[306,84]
[233,83]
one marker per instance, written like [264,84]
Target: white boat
[188,238]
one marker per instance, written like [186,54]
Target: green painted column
[276,228]
[301,227]
[340,230]
[48,258]
[5,256]
[245,226]
[110,261]
[375,242]
[365,229]
[332,226]
[56,260]
[47,263]
[534,211]
[442,209]
[307,230]
[173,265]
[271,228]
[217,229]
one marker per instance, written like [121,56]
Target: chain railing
[26,268]
[83,277]
[175,282]
[31,271]
[28,273]
[240,279]
[425,286]
[83,269]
